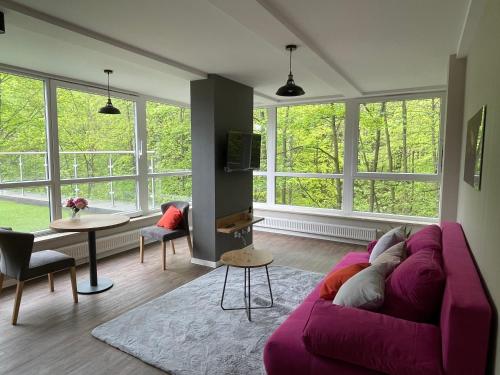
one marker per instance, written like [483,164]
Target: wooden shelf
[236,222]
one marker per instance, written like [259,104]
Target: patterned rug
[186,332]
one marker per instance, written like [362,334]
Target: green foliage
[309,192]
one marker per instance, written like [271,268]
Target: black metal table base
[246,293]
[103,284]
[94,285]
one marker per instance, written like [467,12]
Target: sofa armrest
[375,341]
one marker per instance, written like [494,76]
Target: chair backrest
[16,253]
[183,207]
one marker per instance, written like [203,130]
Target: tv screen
[243,151]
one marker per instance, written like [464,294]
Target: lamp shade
[2,23]
[290,88]
[109,109]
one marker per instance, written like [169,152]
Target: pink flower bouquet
[76,204]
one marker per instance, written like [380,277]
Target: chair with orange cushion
[163,235]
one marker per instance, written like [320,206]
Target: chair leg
[72,272]
[141,248]
[164,254]
[1,281]
[173,247]
[51,281]
[190,244]
[17,303]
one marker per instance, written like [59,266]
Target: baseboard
[207,263]
[310,235]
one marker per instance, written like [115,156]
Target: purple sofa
[321,338]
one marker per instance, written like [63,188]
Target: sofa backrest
[465,312]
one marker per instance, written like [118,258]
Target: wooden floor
[53,335]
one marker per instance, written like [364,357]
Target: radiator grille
[333,230]
[107,244]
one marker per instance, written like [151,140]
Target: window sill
[323,212]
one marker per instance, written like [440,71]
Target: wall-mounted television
[243,151]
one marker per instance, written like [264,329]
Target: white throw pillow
[388,240]
[393,256]
[365,289]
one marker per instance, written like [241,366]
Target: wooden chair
[19,262]
[163,235]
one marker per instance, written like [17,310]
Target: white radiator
[110,244]
[332,230]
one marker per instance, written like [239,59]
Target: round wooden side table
[247,259]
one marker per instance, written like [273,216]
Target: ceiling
[347,48]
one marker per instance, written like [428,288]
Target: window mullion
[141,152]
[271,155]
[53,149]
[350,154]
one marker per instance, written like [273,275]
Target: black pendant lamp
[2,23]
[109,108]
[290,88]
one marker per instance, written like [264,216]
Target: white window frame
[350,172]
[53,180]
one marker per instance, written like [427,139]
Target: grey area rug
[186,332]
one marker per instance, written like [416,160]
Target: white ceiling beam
[475,11]
[263,20]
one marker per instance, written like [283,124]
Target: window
[310,155]
[96,151]
[260,121]
[24,173]
[169,153]
[398,157]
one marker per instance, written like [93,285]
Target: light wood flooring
[53,334]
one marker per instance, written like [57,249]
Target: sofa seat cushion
[162,234]
[426,238]
[47,261]
[414,290]
[285,353]
[375,341]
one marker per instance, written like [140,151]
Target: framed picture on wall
[474,148]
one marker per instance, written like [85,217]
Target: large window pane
[310,138]
[260,119]
[103,197]
[169,137]
[410,198]
[93,144]
[171,188]
[25,209]
[399,136]
[310,192]
[259,189]
[23,140]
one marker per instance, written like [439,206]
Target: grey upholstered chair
[163,235]
[18,261]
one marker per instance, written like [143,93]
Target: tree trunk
[336,158]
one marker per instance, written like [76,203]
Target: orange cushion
[334,280]
[171,218]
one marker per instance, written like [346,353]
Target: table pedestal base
[103,284]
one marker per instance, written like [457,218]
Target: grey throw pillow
[388,240]
[392,256]
[365,289]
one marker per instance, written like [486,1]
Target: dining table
[91,224]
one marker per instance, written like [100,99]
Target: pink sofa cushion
[415,289]
[426,238]
[376,341]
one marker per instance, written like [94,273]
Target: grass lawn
[24,217]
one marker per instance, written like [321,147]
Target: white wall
[479,211]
